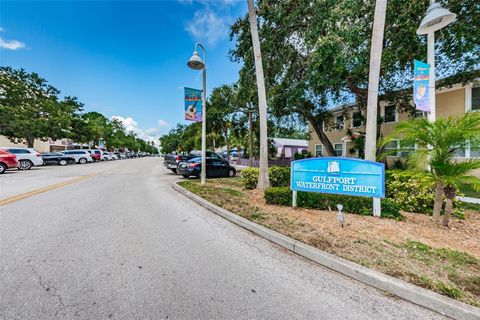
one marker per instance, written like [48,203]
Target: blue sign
[193,104]
[347,176]
[421,96]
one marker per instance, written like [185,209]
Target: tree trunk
[449,194]
[250,136]
[373,80]
[438,202]
[228,145]
[318,127]
[30,141]
[263,180]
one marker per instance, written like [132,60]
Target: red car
[7,161]
[96,154]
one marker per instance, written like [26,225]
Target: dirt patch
[463,235]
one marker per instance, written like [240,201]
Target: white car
[106,156]
[114,156]
[80,156]
[27,157]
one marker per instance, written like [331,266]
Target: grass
[468,206]
[450,272]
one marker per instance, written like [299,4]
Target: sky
[125,59]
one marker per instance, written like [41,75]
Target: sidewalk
[469,200]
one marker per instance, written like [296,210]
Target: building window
[476,98]
[357,119]
[391,148]
[420,114]
[338,149]
[406,149]
[459,153]
[390,114]
[339,122]
[474,152]
[318,150]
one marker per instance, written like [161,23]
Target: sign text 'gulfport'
[348,176]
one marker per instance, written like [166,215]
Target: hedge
[279,177]
[413,191]
[322,201]
[250,178]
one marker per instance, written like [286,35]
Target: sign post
[336,175]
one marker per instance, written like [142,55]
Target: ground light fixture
[435,19]
[196,63]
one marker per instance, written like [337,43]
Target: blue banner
[193,104]
[347,176]
[421,95]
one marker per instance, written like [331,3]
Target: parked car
[26,157]
[106,156]
[96,154]
[57,158]
[171,161]
[80,156]
[7,161]
[123,156]
[114,156]
[118,155]
[215,168]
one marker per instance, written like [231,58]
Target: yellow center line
[44,189]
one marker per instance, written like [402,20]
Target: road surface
[119,243]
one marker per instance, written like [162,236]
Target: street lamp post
[196,63]
[435,19]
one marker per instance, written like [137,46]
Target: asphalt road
[122,244]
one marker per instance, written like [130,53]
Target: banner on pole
[193,104]
[421,95]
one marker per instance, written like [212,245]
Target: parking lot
[14,182]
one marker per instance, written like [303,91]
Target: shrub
[279,176]
[250,178]
[413,191]
[323,201]
[278,195]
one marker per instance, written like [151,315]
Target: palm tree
[263,179]
[436,144]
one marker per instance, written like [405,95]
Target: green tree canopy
[316,53]
[30,108]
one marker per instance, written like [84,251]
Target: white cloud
[163,123]
[208,27]
[12,44]
[150,134]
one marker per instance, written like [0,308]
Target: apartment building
[455,100]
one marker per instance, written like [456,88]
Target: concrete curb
[417,295]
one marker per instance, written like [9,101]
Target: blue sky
[122,58]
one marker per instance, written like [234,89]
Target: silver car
[80,156]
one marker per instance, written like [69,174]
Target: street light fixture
[196,63]
[435,19]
